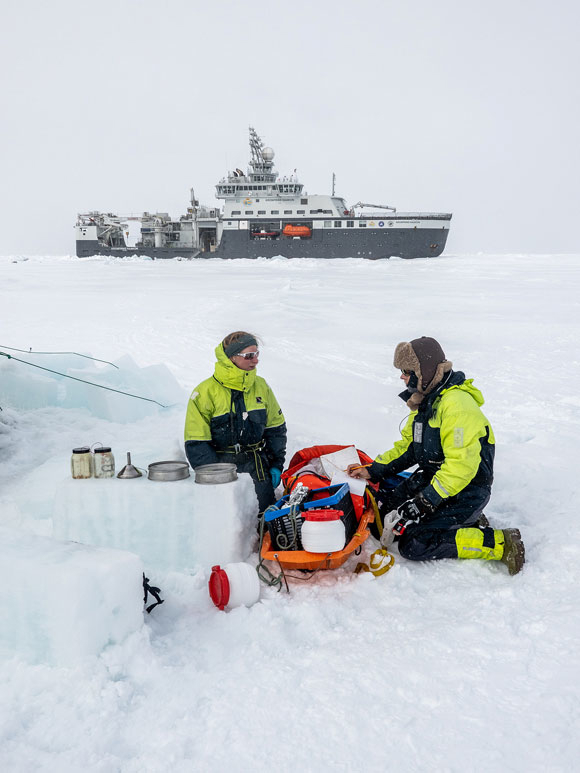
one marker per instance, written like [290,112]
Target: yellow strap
[374,505]
[379,563]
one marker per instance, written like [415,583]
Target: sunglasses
[407,372]
[249,355]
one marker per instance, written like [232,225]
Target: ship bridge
[260,179]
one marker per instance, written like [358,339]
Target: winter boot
[514,552]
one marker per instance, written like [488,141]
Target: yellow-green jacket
[234,409]
[448,437]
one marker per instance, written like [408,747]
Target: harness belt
[254,448]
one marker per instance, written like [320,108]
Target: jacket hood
[467,386]
[229,375]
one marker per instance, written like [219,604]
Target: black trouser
[434,537]
[245,462]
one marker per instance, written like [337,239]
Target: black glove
[412,511]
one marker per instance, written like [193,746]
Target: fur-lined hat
[425,357]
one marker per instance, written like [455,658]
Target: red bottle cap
[219,587]
[322,515]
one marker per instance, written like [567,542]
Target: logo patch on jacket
[418,432]
[259,400]
[458,437]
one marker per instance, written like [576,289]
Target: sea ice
[172,525]
[62,601]
[34,380]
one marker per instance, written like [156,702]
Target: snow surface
[451,665]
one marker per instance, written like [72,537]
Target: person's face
[405,376]
[247,362]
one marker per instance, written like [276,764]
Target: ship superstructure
[265,215]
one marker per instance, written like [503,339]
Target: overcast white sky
[454,106]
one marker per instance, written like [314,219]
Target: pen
[359,467]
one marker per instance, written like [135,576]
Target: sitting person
[233,416]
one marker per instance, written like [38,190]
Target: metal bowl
[168,471]
[221,472]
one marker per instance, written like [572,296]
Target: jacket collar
[229,375]
[453,378]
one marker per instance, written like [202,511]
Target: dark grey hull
[86,249]
[371,244]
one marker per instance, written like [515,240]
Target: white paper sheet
[335,465]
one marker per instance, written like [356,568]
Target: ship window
[274,211]
[350,223]
[261,212]
[304,201]
[249,212]
[337,223]
[362,224]
[328,223]
[236,212]
[300,211]
[287,211]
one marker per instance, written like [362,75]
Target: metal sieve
[168,471]
[221,472]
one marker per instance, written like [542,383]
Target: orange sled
[302,559]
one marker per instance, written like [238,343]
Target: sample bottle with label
[104,462]
[81,462]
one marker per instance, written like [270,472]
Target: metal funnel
[129,470]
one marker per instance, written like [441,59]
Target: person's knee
[410,547]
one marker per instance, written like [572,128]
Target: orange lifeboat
[297,230]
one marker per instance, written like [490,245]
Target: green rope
[262,570]
[83,381]
[88,357]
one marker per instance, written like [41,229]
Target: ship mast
[261,158]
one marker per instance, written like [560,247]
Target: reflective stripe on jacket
[448,436]
[233,407]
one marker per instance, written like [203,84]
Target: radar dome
[267,154]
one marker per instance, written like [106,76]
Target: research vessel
[266,215]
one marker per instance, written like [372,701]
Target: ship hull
[88,248]
[371,244]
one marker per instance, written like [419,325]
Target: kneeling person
[440,506]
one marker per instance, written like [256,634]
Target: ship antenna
[256,146]
[333,181]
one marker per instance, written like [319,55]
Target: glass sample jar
[81,463]
[103,462]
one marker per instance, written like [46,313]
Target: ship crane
[374,206]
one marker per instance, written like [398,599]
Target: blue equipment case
[285,534]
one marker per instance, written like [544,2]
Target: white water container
[103,462]
[81,463]
[235,585]
[323,531]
